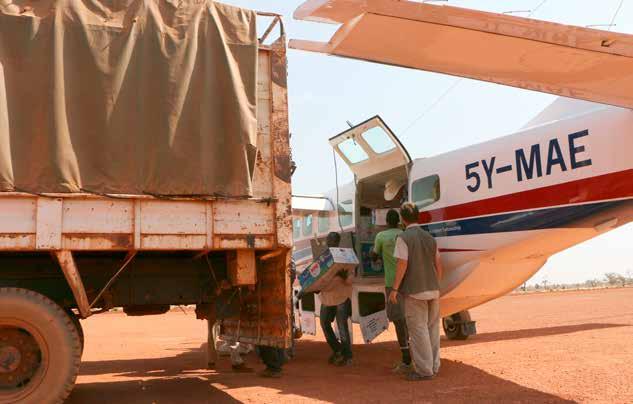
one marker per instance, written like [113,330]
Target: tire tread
[60,313]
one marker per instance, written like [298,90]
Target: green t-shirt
[384,245]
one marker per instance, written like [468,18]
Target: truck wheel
[40,349]
[453,326]
[78,326]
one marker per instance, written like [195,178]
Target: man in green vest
[418,272]
[384,246]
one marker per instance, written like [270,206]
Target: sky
[325,92]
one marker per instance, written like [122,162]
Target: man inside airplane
[336,304]
[418,271]
[384,246]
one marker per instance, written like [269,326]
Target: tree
[615,279]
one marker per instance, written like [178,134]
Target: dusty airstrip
[545,347]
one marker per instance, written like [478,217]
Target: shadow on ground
[530,333]
[182,379]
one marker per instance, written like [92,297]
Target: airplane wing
[564,60]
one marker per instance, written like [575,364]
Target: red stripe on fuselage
[604,187]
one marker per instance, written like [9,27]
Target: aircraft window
[426,191]
[307,225]
[296,228]
[378,140]
[346,213]
[302,254]
[324,223]
[352,151]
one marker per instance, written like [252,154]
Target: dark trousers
[341,314]
[395,312]
[273,358]
[402,333]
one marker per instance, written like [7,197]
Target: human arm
[401,253]
[374,257]
[439,269]
[401,269]
[376,252]
[345,275]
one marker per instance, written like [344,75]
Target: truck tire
[452,326]
[40,349]
[78,326]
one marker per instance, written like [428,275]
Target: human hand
[393,296]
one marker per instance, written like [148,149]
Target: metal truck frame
[65,257]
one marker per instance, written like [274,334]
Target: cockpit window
[352,151]
[307,225]
[296,228]
[426,191]
[378,140]
[324,223]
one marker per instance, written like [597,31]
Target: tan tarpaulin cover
[127,96]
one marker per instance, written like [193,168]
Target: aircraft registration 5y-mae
[498,209]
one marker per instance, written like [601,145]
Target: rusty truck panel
[244,241]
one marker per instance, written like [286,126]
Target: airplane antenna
[600,25]
[458,81]
[338,217]
[433,105]
[516,11]
[615,15]
[610,24]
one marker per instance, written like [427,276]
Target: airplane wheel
[40,349]
[453,326]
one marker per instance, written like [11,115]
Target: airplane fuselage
[500,209]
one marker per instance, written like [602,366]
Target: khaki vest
[421,275]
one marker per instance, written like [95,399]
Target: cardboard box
[321,271]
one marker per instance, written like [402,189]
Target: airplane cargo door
[380,164]
[370,311]
[306,311]
[370,148]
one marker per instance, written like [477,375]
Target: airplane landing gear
[459,326]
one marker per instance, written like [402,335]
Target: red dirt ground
[547,347]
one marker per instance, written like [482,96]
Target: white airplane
[498,209]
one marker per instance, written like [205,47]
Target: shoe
[343,362]
[241,368]
[270,373]
[402,368]
[416,377]
[334,358]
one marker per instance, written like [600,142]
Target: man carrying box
[336,304]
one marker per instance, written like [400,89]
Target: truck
[79,237]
